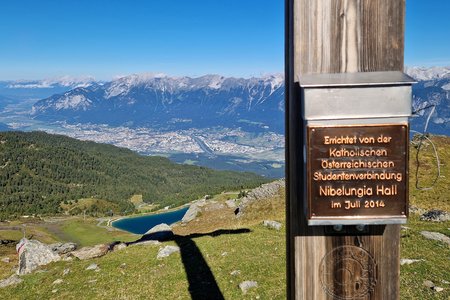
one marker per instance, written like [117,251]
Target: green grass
[436,264]
[225,196]
[73,229]
[145,277]
[87,233]
[14,235]
[423,169]
[31,228]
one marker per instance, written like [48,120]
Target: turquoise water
[140,225]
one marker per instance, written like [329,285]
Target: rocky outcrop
[63,248]
[145,243]
[408,261]
[33,254]
[436,236]
[191,213]
[163,227]
[159,232]
[430,284]
[231,203]
[435,215]
[246,285]
[93,267]
[91,252]
[13,280]
[166,251]
[264,191]
[119,246]
[272,224]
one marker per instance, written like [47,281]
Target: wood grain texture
[348,36]
[335,36]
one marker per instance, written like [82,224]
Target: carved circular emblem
[348,272]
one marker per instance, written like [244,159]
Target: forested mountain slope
[38,171]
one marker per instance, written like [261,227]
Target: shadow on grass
[202,284]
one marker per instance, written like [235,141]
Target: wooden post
[336,36]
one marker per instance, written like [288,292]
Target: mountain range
[170,103]
[255,104]
[431,99]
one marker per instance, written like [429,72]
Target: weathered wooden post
[347,108]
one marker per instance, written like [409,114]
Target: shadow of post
[202,283]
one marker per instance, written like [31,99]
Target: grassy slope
[259,254]
[439,195]
[436,267]
[255,248]
[436,264]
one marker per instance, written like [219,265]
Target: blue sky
[42,39]
[427,33]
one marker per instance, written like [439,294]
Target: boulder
[435,215]
[437,236]
[145,243]
[408,261]
[119,246]
[92,267]
[166,251]
[63,248]
[428,284]
[12,280]
[200,203]
[272,224]
[264,191]
[159,228]
[91,252]
[231,203]
[191,213]
[159,232]
[33,254]
[246,285]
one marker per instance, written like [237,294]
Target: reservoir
[142,224]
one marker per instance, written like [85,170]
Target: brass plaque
[357,172]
